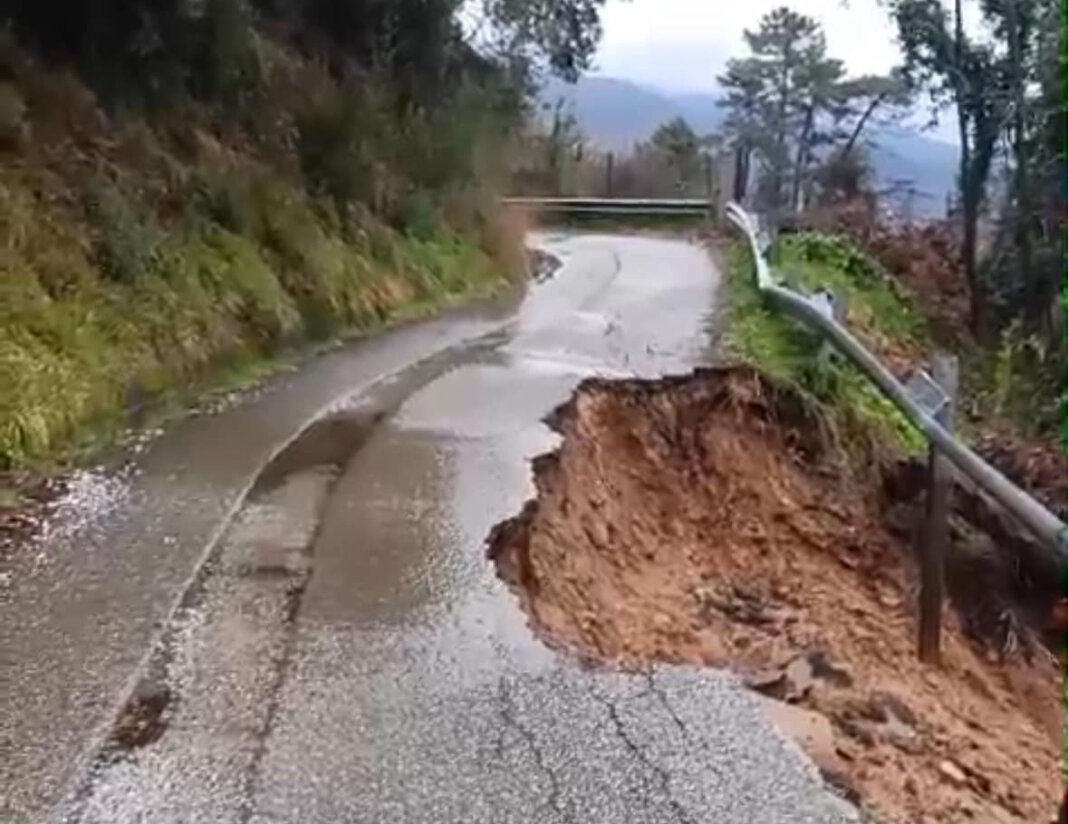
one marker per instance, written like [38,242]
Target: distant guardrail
[812,310]
[613,205]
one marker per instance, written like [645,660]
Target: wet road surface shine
[404,684]
[80,606]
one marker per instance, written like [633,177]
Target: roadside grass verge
[104,317]
[149,252]
[864,423]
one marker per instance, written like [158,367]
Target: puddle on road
[701,520]
[328,442]
[230,638]
[227,644]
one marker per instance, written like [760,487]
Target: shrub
[791,352]
[336,153]
[417,216]
[127,237]
[230,197]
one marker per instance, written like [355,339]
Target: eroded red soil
[699,520]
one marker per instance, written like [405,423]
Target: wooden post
[608,169]
[741,173]
[935,532]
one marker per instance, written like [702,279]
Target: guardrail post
[1051,531]
[935,532]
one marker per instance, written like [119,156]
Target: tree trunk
[1047,190]
[741,172]
[977,297]
[969,191]
[875,103]
[782,158]
[969,217]
[802,156]
[1022,224]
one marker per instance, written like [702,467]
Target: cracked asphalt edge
[510,718]
[663,776]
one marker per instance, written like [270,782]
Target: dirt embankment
[700,519]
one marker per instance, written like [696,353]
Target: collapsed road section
[346,652]
[710,519]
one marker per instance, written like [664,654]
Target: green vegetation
[788,102]
[862,418]
[812,260]
[84,337]
[1015,383]
[1003,82]
[189,190]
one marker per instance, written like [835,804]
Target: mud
[1004,585]
[24,505]
[1039,466]
[143,720]
[700,519]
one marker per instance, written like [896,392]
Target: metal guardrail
[613,205]
[814,311]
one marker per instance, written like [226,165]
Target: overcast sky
[682,45]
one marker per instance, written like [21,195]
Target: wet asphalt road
[347,653]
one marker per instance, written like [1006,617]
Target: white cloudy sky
[682,45]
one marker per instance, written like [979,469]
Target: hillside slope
[147,246]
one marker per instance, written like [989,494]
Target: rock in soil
[701,519]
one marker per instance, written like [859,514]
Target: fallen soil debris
[704,519]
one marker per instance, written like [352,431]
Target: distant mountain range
[615,114]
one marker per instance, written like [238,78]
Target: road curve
[347,653]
